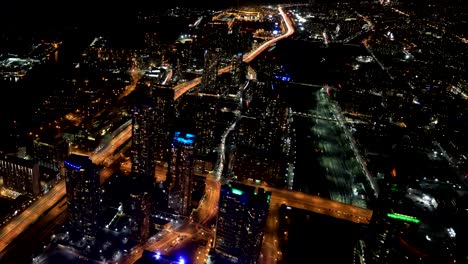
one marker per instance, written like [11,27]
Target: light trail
[22,221]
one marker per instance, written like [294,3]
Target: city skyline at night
[247,132]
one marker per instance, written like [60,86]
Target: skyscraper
[241,222]
[83,194]
[181,173]
[153,116]
[143,136]
[210,71]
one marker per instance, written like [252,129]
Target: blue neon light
[181,260]
[76,167]
[283,78]
[186,139]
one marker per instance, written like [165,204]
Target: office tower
[241,222]
[50,154]
[20,175]
[153,117]
[181,173]
[83,194]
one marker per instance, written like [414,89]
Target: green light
[237,191]
[403,217]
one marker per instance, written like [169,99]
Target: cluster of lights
[157,256]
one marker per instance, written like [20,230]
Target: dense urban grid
[299,132]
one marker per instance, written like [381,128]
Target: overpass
[271,252]
[316,204]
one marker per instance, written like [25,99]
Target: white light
[451,232]
[428,238]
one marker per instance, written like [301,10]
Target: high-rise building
[20,175]
[241,222]
[181,173]
[140,210]
[153,116]
[210,71]
[261,137]
[50,154]
[165,116]
[83,194]
[205,119]
[143,137]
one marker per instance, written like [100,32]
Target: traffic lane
[18,224]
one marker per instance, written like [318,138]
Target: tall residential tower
[241,222]
[181,173]
[83,194]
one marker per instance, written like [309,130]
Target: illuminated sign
[186,139]
[72,165]
[402,217]
[237,191]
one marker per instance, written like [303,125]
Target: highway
[107,151]
[22,221]
[182,88]
[38,235]
[317,204]
[270,252]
